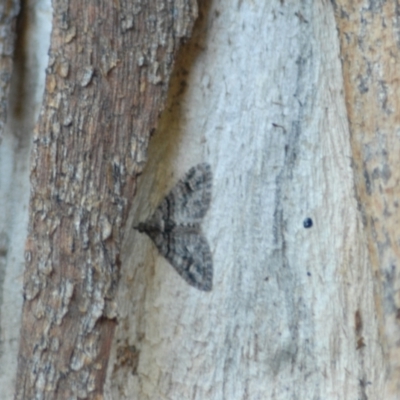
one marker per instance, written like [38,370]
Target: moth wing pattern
[190,255]
[189,200]
[175,229]
[158,219]
[160,240]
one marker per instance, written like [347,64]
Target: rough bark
[370,43]
[106,82]
[8,14]
[24,101]
[295,109]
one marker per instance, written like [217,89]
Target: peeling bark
[106,83]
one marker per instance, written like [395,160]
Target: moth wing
[160,215]
[189,200]
[174,227]
[160,239]
[190,255]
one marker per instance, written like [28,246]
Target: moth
[175,227]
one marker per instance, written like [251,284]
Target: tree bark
[293,310]
[370,41]
[8,17]
[293,105]
[23,104]
[106,82]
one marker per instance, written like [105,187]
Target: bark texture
[259,95]
[370,50]
[298,123]
[8,13]
[24,102]
[108,73]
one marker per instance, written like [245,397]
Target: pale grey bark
[291,314]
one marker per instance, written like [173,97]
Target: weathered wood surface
[106,82]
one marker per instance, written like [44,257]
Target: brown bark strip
[370,43]
[110,63]
[8,16]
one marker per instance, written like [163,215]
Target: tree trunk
[108,73]
[8,13]
[372,105]
[293,108]
[24,102]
